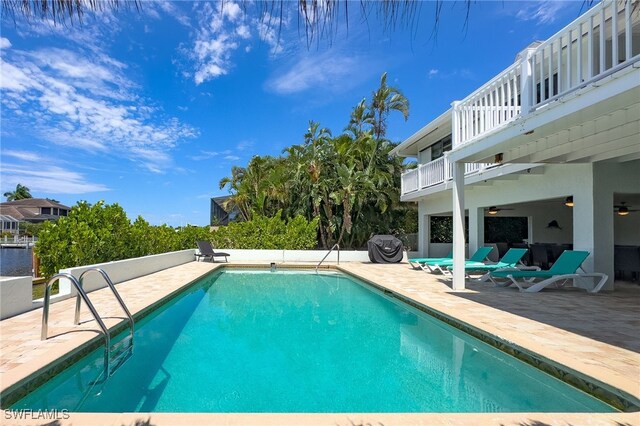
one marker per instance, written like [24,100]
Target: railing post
[455,124]
[447,167]
[527,85]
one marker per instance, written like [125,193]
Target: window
[439,148]
[45,210]
[442,229]
[54,211]
[63,212]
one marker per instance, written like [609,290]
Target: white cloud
[4,43]
[544,12]
[204,155]
[83,100]
[231,157]
[328,70]
[23,155]
[217,37]
[48,179]
[224,30]
[269,33]
[156,10]
[245,145]
[459,73]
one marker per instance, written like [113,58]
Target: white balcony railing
[434,173]
[409,182]
[597,44]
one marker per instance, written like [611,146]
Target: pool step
[120,353]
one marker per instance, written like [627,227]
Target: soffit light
[493,210]
[569,201]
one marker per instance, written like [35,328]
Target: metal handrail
[336,245]
[81,293]
[115,293]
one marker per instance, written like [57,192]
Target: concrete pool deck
[594,335]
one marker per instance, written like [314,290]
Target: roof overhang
[436,129]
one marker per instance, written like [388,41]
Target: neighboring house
[9,224]
[554,138]
[33,210]
[219,215]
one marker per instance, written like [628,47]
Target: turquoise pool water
[249,341]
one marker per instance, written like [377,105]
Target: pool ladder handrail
[128,351]
[336,245]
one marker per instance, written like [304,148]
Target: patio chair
[564,269]
[509,261]
[415,262]
[540,255]
[440,265]
[205,250]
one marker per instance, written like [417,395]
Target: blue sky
[151,108]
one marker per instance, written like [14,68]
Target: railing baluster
[628,31]
[543,86]
[551,85]
[579,54]
[614,33]
[533,98]
[590,49]
[569,58]
[602,40]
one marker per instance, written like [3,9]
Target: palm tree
[320,18]
[383,101]
[360,116]
[239,198]
[20,193]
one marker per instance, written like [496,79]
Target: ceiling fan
[622,209]
[493,210]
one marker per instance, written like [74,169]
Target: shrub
[102,233]
[268,233]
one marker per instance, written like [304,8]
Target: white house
[560,124]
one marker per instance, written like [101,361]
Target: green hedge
[102,233]
[268,233]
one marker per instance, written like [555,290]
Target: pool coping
[537,360]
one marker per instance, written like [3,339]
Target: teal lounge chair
[509,261]
[565,268]
[415,262]
[440,265]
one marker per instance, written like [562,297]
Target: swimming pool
[260,341]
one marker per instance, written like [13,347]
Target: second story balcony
[604,40]
[572,98]
[436,174]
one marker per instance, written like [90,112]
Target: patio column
[476,228]
[458,226]
[423,230]
[593,224]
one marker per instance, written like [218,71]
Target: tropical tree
[383,101]
[348,184]
[361,116]
[21,192]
